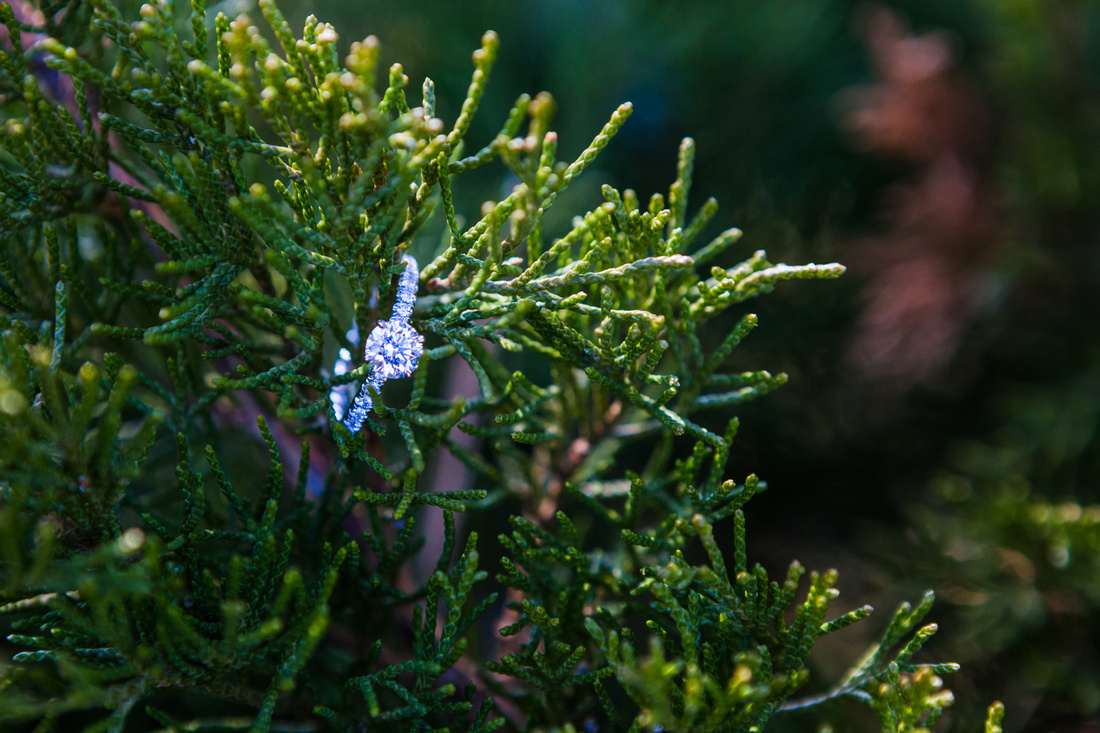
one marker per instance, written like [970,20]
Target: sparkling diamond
[393,349]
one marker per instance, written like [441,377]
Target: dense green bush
[197,224]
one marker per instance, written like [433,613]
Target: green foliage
[188,235]
[1016,545]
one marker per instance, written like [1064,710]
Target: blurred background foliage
[939,427]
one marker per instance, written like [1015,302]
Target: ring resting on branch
[393,349]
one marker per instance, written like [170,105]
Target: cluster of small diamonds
[393,349]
